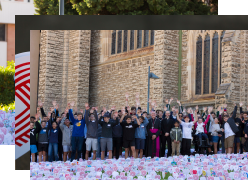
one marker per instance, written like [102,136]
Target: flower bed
[7,128]
[214,167]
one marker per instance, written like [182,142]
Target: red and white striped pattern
[22,93]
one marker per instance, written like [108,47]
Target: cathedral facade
[198,67]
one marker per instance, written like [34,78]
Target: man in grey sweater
[66,129]
[91,120]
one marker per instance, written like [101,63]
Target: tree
[127,7]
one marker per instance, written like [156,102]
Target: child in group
[200,128]
[140,136]
[106,136]
[33,132]
[245,127]
[66,129]
[128,133]
[187,136]
[92,126]
[176,138]
[53,140]
[43,141]
[215,133]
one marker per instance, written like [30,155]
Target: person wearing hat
[106,137]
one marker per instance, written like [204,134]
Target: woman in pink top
[201,130]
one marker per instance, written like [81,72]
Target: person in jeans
[140,136]
[106,138]
[117,136]
[33,132]
[77,138]
[92,125]
[53,140]
[66,129]
[176,138]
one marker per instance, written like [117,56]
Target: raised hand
[54,103]
[51,109]
[104,109]
[166,101]
[191,110]
[188,110]
[96,108]
[66,110]
[171,99]
[178,102]
[210,109]
[219,108]
[205,109]
[49,114]
[40,103]
[165,108]
[128,109]
[123,111]
[86,105]
[197,107]
[72,104]
[38,109]
[225,105]
[69,105]
[241,104]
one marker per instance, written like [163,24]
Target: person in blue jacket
[77,138]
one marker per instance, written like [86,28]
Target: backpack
[246,145]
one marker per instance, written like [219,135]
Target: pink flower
[115,168]
[99,169]
[195,177]
[126,169]
[97,176]
[211,178]
[109,173]
[89,162]
[124,177]
[140,168]
[132,173]
[122,174]
[157,177]
[236,175]
[13,124]
[118,177]
[143,173]
[177,170]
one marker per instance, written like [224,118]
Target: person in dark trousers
[166,125]
[245,128]
[33,132]
[129,127]
[106,138]
[43,141]
[77,138]
[176,138]
[153,130]
[117,136]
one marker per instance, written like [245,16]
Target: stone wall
[64,68]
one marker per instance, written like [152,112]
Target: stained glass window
[146,36]
[113,42]
[215,66]
[152,37]
[206,64]
[119,41]
[139,38]
[125,41]
[198,65]
[132,40]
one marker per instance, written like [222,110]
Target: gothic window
[139,38]
[222,35]
[113,42]
[132,40]
[208,61]
[152,37]
[215,66]
[146,36]
[119,41]
[198,65]
[206,64]
[125,41]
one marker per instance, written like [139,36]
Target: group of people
[77,134]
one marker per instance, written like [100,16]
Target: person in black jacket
[229,130]
[33,132]
[166,125]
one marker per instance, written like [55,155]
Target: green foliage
[8,107]
[7,85]
[126,7]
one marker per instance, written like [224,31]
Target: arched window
[152,37]
[132,40]
[146,36]
[139,38]
[198,65]
[128,40]
[208,62]
[119,41]
[113,42]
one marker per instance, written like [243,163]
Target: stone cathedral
[199,67]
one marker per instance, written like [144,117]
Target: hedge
[8,107]
[7,85]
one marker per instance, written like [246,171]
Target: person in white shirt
[187,128]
